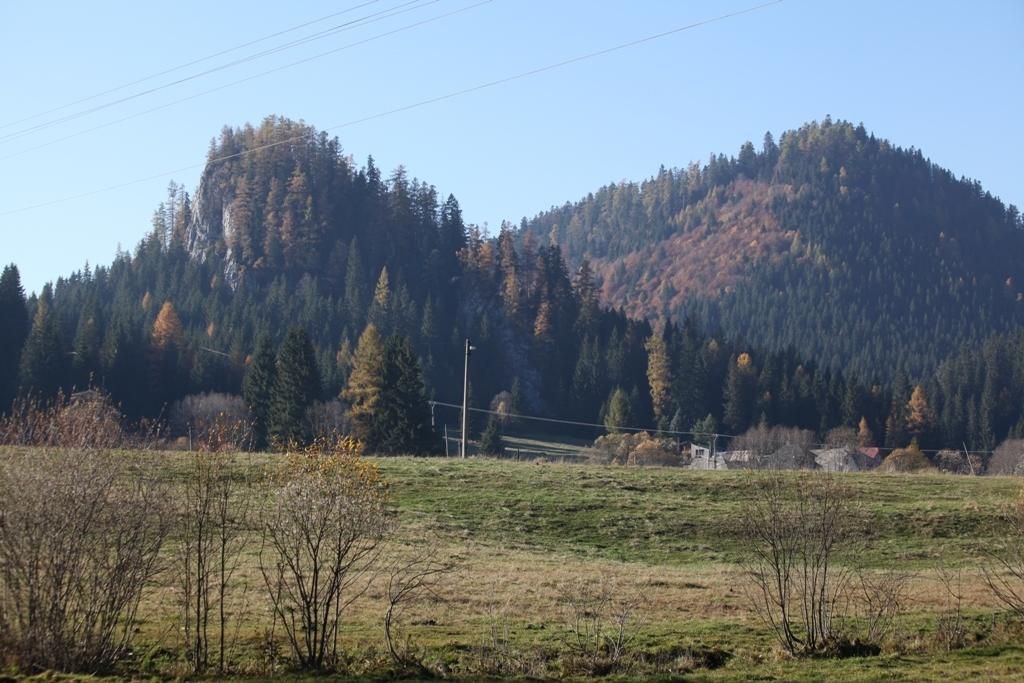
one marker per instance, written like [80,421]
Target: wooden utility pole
[465,397]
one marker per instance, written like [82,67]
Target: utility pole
[465,397]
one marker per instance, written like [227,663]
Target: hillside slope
[857,253]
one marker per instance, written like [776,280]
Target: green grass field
[522,532]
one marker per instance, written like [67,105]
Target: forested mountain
[294,275]
[859,254]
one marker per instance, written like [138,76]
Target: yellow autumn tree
[920,416]
[864,435]
[363,389]
[167,364]
[659,376]
[167,328]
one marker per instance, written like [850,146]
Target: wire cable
[200,60]
[653,430]
[577,423]
[245,80]
[408,107]
[354,23]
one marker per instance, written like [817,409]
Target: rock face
[209,230]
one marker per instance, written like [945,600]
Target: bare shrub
[214,513]
[411,579]
[636,449]
[320,537]
[499,656]
[328,418]
[80,534]
[1008,458]
[1004,573]
[950,630]
[794,525]
[776,447]
[87,419]
[842,437]
[958,462]
[214,422]
[880,598]
[601,621]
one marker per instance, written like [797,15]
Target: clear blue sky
[945,77]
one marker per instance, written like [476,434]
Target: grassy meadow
[522,534]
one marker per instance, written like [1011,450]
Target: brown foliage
[635,449]
[87,419]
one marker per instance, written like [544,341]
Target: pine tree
[258,387]
[402,419]
[13,331]
[86,360]
[740,385]
[618,412]
[491,441]
[296,386]
[354,297]
[704,431]
[380,308]
[362,392]
[298,230]
[42,360]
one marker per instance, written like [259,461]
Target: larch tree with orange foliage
[167,356]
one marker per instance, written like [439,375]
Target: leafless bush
[87,419]
[214,422]
[950,631]
[320,538]
[601,623]
[1008,458]
[80,533]
[880,599]
[411,579]
[636,449]
[1004,573]
[214,513]
[776,447]
[794,526]
[327,419]
[499,656]
[842,437]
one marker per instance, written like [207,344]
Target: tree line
[377,287]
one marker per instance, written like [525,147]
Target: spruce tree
[296,386]
[618,412]
[490,441]
[402,419]
[42,361]
[13,332]
[258,387]
[740,386]
[85,362]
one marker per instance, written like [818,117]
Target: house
[838,459]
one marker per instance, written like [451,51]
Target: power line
[355,23]
[673,432]
[240,81]
[188,64]
[577,423]
[415,105]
